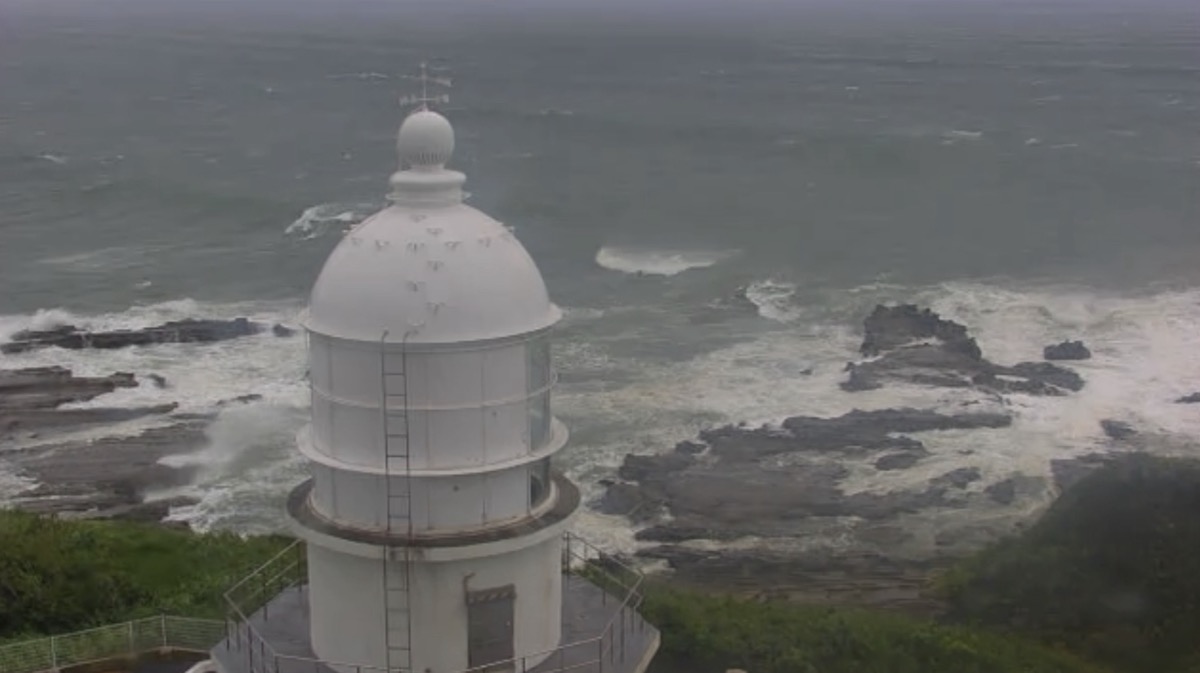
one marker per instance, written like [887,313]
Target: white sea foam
[198,375]
[774,300]
[328,218]
[957,136]
[103,259]
[657,262]
[1146,353]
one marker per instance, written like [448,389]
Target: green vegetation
[712,633]
[1107,580]
[1111,570]
[58,575]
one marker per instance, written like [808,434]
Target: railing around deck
[114,641]
[605,653]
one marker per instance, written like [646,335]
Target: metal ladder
[397,574]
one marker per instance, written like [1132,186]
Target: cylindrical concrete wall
[347,606]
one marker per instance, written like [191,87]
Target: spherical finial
[426,140]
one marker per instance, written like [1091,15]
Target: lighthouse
[433,533]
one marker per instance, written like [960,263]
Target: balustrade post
[262,593]
[622,633]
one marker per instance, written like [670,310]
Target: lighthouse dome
[429,269]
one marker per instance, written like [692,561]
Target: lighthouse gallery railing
[604,653]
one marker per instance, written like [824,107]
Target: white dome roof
[429,269]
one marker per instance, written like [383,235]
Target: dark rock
[897,461]
[960,478]
[70,418]
[1067,350]
[49,387]
[690,448]
[182,331]
[766,481]
[627,500]
[890,327]
[1117,429]
[1045,372]
[1194,398]
[241,399]
[916,346]
[159,381]
[105,474]
[282,330]
[1069,471]
[1003,492]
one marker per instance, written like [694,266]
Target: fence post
[262,594]
[132,641]
[163,626]
[53,653]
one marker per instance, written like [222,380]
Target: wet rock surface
[107,477]
[181,331]
[1194,398]
[781,482]
[914,345]
[1067,350]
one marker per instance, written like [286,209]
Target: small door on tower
[490,628]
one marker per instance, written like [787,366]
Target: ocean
[1031,170]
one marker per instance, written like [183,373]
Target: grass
[1111,570]
[714,632]
[1108,580]
[59,575]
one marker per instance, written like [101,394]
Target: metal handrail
[104,643]
[606,645]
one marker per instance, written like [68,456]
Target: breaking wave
[328,218]
[657,262]
[619,400]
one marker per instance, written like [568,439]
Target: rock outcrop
[1067,350]
[106,477]
[760,481]
[182,331]
[913,345]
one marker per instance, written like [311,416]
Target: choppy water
[1030,172]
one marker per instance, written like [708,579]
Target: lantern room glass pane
[539,482]
[539,377]
[539,366]
[539,420]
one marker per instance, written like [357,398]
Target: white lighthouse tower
[434,527]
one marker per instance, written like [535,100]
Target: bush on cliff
[58,575]
[1111,570]
[712,633]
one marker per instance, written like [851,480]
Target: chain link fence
[111,642]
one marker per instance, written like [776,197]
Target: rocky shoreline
[107,476]
[697,504]
[736,483]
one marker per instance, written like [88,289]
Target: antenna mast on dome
[423,100]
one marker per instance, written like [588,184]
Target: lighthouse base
[602,633]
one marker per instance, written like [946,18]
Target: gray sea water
[1030,169]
